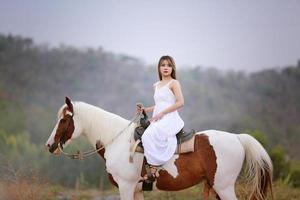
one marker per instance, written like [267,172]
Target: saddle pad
[185,147]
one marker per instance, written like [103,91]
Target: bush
[295,177]
[281,163]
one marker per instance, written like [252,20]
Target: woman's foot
[151,177]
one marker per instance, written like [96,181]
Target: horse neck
[100,125]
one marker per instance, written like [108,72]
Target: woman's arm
[176,89]
[149,109]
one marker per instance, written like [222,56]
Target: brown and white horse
[217,159]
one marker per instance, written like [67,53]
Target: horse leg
[127,190]
[216,195]
[227,193]
[138,192]
[206,190]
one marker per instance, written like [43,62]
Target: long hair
[171,62]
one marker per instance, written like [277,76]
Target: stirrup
[150,176]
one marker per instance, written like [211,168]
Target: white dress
[159,139]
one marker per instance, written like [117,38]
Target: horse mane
[103,125]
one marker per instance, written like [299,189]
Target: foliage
[18,152]
[12,116]
[281,163]
[295,175]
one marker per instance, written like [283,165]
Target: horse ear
[69,104]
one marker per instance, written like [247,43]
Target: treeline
[34,79]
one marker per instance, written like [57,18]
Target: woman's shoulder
[175,85]
[174,82]
[170,83]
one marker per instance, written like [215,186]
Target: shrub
[281,163]
[295,177]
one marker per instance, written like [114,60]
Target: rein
[81,155]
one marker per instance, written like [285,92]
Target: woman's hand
[157,117]
[139,109]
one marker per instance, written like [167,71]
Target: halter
[81,155]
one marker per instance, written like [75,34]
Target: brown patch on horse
[110,177]
[66,126]
[65,129]
[207,189]
[192,167]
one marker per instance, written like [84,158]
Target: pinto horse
[217,159]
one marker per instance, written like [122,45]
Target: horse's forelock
[62,111]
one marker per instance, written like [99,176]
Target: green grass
[281,192]
[34,189]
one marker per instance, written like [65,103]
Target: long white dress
[159,139]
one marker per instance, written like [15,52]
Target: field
[34,189]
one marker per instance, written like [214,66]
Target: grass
[19,187]
[281,192]
[25,189]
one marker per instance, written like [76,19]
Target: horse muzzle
[54,148]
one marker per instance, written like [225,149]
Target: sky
[247,35]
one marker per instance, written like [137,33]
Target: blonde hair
[171,62]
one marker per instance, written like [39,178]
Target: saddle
[185,143]
[185,140]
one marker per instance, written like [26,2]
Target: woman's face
[165,68]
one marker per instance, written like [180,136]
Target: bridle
[81,155]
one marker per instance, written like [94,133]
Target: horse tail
[259,168]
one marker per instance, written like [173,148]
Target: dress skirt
[159,139]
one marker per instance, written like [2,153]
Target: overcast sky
[227,34]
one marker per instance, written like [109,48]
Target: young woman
[159,139]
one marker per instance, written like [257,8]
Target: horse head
[65,129]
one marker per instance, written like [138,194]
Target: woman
[159,139]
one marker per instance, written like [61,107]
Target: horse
[217,158]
